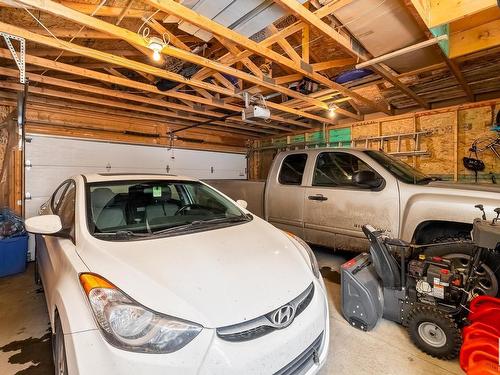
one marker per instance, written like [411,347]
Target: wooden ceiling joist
[347,44]
[173,8]
[88,8]
[134,38]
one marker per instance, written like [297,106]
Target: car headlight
[130,326]
[312,257]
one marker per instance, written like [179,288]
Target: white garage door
[51,160]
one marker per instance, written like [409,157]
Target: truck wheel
[488,282]
[434,332]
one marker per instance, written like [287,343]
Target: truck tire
[434,332]
[461,254]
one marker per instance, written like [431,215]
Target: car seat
[162,207]
[106,214]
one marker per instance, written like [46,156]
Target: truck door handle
[317,197]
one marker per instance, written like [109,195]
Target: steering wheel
[188,207]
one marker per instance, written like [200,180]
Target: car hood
[469,187]
[215,278]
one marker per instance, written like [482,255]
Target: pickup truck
[326,195]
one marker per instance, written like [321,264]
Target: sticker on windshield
[157,191]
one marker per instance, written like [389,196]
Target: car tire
[461,254]
[59,349]
[434,332]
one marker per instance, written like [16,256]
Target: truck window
[292,169]
[337,168]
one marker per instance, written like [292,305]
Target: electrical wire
[99,6]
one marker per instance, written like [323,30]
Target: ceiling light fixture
[156,45]
[332,109]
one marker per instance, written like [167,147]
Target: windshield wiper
[201,223]
[121,234]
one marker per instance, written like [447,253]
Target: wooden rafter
[137,40]
[452,65]
[347,44]
[87,73]
[171,7]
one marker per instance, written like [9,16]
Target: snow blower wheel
[434,332]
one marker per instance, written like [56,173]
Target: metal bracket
[20,60]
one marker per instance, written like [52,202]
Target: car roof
[104,177]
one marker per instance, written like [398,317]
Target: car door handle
[317,197]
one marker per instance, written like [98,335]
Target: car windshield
[399,169]
[121,210]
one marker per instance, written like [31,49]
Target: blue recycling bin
[13,254]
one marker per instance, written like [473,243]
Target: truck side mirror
[367,179]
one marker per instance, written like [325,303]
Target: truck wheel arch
[430,230]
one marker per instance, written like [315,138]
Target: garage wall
[51,160]
[451,133]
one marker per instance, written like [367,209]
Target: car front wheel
[59,349]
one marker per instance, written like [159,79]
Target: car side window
[56,197]
[292,169]
[66,210]
[337,168]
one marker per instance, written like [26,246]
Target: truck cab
[326,195]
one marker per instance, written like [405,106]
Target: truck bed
[250,191]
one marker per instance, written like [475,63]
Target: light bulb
[156,55]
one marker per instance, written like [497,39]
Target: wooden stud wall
[452,130]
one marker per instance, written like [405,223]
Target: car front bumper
[301,348]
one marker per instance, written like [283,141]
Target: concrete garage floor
[25,347]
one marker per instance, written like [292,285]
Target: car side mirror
[43,224]
[242,203]
[367,179]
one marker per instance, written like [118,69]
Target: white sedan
[151,274]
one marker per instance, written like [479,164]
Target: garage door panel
[43,180]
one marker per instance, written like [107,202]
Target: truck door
[284,196]
[335,208]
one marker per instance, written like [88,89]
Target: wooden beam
[62,32]
[135,85]
[234,50]
[87,8]
[56,65]
[134,38]
[452,65]
[348,45]
[337,63]
[110,93]
[285,46]
[306,39]
[158,27]
[124,12]
[476,39]
[106,57]
[440,12]
[171,7]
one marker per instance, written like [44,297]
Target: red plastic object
[481,302]
[481,327]
[487,315]
[487,345]
[481,363]
[480,334]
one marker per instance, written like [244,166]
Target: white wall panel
[55,159]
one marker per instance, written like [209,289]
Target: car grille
[262,325]
[304,361]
